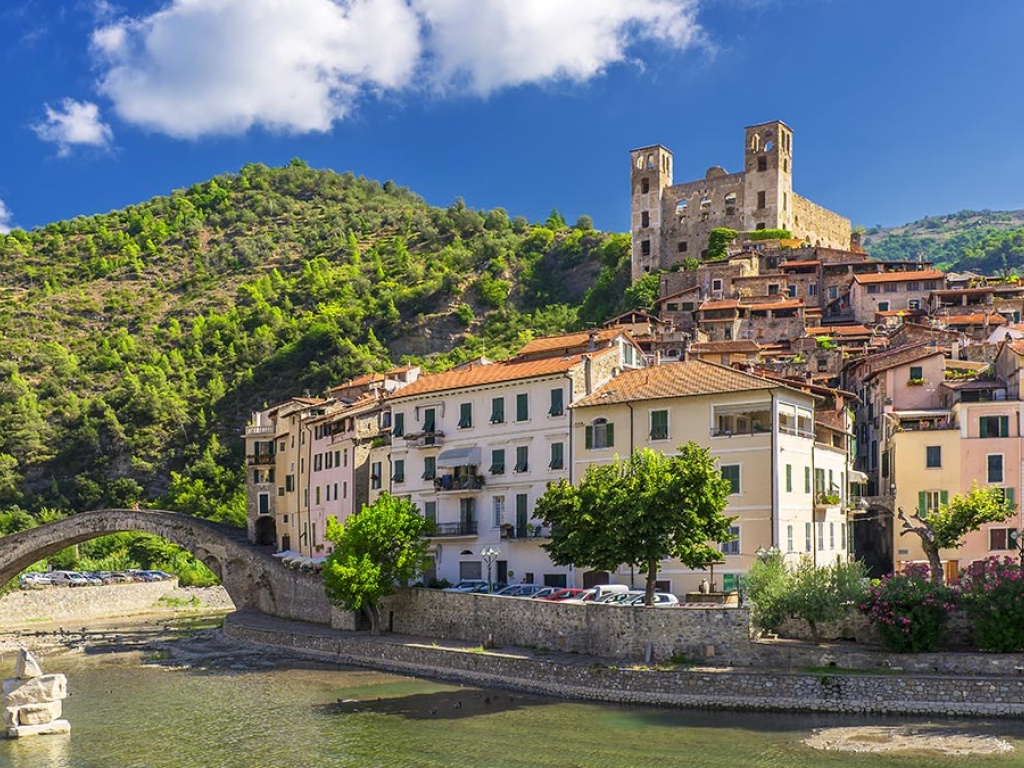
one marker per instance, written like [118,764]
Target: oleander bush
[909,610]
[992,592]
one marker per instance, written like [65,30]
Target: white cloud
[74,123]
[5,219]
[223,66]
[501,43]
[200,67]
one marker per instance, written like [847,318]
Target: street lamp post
[489,554]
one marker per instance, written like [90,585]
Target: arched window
[639,162]
[755,143]
[681,208]
[650,161]
[768,146]
[705,203]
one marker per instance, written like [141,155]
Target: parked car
[619,598]
[563,594]
[519,590]
[34,580]
[530,590]
[468,586]
[68,579]
[598,592]
[544,592]
[661,600]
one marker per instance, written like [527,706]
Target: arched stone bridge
[252,578]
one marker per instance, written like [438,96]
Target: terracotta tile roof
[570,341]
[839,330]
[976,318]
[724,347]
[720,304]
[510,370]
[900,277]
[790,304]
[1017,345]
[677,294]
[792,264]
[693,377]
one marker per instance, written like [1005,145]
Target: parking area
[43,580]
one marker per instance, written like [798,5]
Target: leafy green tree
[642,294]
[819,595]
[638,512]
[946,527]
[375,550]
[718,239]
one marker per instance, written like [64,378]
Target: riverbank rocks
[32,701]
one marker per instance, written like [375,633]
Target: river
[164,696]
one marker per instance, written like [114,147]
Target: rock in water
[31,701]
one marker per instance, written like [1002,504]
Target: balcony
[259,459]
[528,531]
[453,530]
[424,439]
[455,482]
[251,431]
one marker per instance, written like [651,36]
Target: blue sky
[899,109]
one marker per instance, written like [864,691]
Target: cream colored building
[760,431]
[476,446]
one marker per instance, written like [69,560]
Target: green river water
[129,714]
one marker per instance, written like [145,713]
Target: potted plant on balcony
[507,530]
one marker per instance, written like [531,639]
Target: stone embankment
[78,605]
[574,676]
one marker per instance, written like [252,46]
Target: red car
[563,594]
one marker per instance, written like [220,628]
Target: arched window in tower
[705,203]
[645,186]
[650,161]
[681,209]
[755,143]
[768,146]
[785,166]
[730,204]
[639,162]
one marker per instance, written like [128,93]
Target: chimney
[588,374]
[592,341]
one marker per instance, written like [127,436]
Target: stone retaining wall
[721,689]
[597,630]
[21,608]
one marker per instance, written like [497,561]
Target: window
[994,426]
[318,462]
[716,285]
[842,536]
[812,289]
[833,292]
[773,289]
[398,471]
[732,547]
[731,472]
[762,163]
[929,501]
[789,478]
[672,307]
[916,373]
[522,407]
[499,510]
[557,456]
[557,402]
[645,247]
[522,458]
[645,219]
[999,538]
[317,494]
[808,541]
[872,289]
[995,468]
[398,428]
[429,420]
[289,483]
[659,425]
[430,511]
[883,306]
[789,538]
[645,186]
[599,434]
[429,467]
[465,415]
[807,479]
[682,246]
[498,410]
[375,476]
[821,536]
[914,304]
[831,535]
[791,290]
[933,456]
[498,461]
[761,200]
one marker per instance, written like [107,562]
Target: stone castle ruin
[671,222]
[32,701]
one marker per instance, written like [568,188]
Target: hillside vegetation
[138,342]
[986,242]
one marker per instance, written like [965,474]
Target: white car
[68,579]
[661,600]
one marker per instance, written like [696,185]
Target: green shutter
[588,439]
[557,407]
[983,427]
[922,504]
[789,478]
[610,432]
[807,479]
[943,498]
[1004,426]
[1009,496]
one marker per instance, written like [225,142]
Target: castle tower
[650,174]
[768,186]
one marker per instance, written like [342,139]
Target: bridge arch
[253,579]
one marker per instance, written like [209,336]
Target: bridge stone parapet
[250,575]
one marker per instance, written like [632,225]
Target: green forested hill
[987,242]
[137,342]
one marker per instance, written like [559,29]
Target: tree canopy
[945,527]
[375,550]
[638,512]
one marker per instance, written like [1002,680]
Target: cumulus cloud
[501,43]
[200,67]
[73,123]
[222,66]
[5,219]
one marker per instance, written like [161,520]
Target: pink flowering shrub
[992,591]
[909,610]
